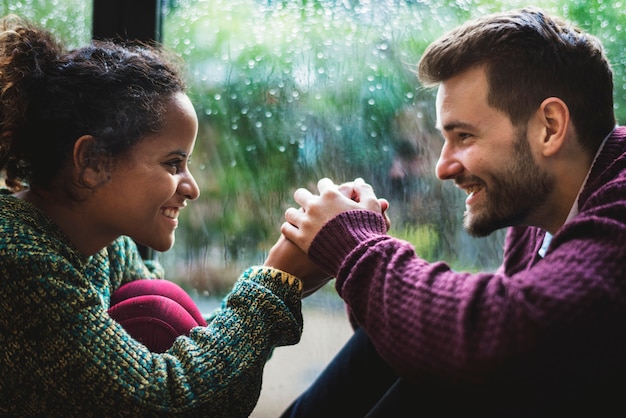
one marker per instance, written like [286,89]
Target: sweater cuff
[274,298]
[341,235]
[284,284]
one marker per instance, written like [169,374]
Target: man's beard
[513,194]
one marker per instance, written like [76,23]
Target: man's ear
[555,117]
[91,164]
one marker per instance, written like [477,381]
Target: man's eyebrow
[456,125]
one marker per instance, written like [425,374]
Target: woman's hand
[286,256]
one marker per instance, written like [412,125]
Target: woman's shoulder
[18,214]
[26,229]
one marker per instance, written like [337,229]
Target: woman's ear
[555,117]
[91,165]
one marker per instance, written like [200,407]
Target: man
[524,104]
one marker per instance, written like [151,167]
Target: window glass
[288,92]
[291,91]
[70,20]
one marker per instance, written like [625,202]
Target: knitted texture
[536,332]
[62,355]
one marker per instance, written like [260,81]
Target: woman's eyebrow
[181,153]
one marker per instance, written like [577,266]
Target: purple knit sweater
[538,334]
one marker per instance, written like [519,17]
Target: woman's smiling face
[151,182]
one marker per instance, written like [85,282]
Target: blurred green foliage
[288,92]
[70,20]
[291,91]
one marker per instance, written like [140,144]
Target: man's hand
[316,210]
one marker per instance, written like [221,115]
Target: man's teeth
[472,189]
[171,213]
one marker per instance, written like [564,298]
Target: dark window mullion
[123,19]
[128,20]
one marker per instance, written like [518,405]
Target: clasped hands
[302,225]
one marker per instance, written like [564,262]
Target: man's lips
[471,189]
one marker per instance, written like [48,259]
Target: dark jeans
[357,383]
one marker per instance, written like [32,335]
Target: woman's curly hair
[50,97]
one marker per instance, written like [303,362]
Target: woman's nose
[188,187]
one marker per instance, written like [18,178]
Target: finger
[292,233]
[365,194]
[325,184]
[384,204]
[294,216]
[288,230]
[387,221]
[302,196]
[347,189]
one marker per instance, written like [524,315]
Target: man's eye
[464,136]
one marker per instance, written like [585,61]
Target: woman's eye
[175,166]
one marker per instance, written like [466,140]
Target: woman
[94,151]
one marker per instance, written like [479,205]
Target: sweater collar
[574,210]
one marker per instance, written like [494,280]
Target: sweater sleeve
[530,321]
[59,343]
[126,264]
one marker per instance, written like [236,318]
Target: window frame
[129,20]
[122,19]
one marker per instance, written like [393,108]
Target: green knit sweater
[62,355]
